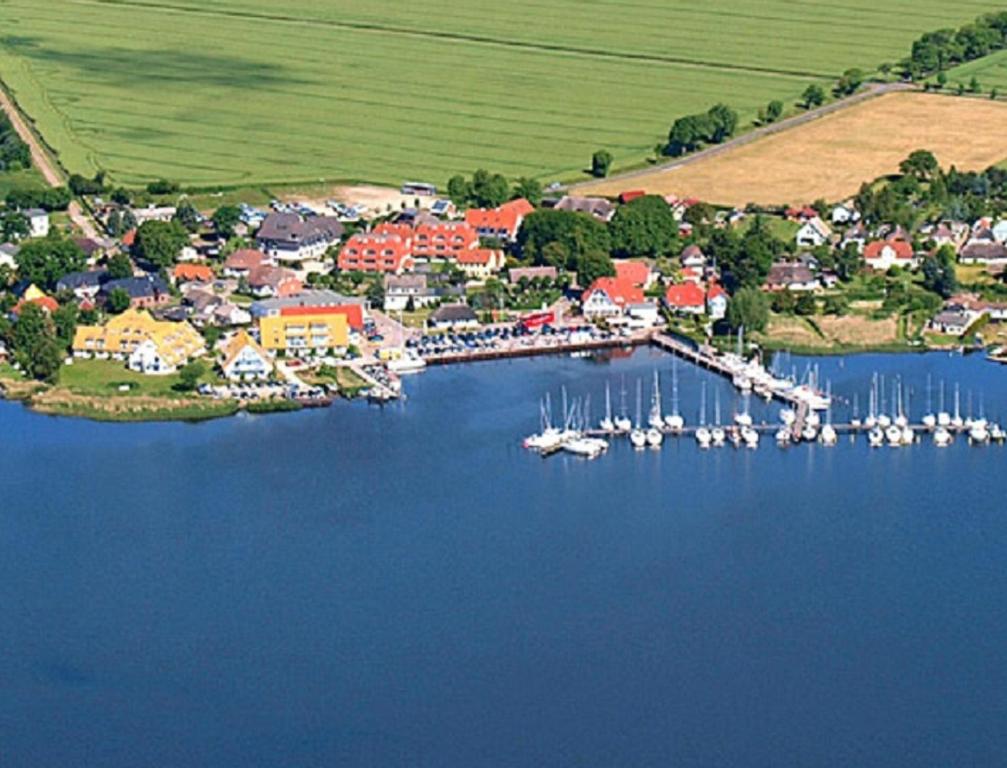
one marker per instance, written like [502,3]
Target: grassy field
[830,157]
[231,92]
[990,71]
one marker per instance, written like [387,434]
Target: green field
[233,92]
[990,71]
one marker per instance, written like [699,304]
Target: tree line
[936,51]
[14,153]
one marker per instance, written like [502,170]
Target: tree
[459,190]
[594,264]
[920,164]
[529,189]
[46,260]
[974,86]
[189,375]
[723,123]
[376,294]
[226,220]
[837,305]
[120,196]
[160,242]
[578,233]
[114,224]
[128,220]
[64,320]
[489,189]
[813,96]
[601,161]
[784,302]
[942,79]
[748,309]
[119,266]
[773,111]
[187,215]
[80,185]
[848,262]
[806,305]
[939,272]
[644,227]
[849,82]
[118,301]
[13,226]
[162,187]
[35,347]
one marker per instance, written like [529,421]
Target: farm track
[361,26]
[871,92]
[49,169]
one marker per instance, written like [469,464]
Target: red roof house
[610,297]
[502,222]
[885,254]
[635,272]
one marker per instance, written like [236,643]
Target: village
[300,301]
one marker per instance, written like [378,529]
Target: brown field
[830,157]
[848,331]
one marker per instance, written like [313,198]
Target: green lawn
[103,377]
[241,92]
[18,180]
[990,71]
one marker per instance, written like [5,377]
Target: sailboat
[908,436]
[929,418]
[674,422]
[638,437]
[717,434]
[654,435]
[703,436]
[943,417]
[622,422]
[828,434]
[979,431]
[550,438]
[607,424]
[957,421]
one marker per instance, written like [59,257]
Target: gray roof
[75,280]
[983,251]
[405,282]
[290,230]
[453,313]
[304,299]
[787,273]
[138,287]
[598,207]
[9,249]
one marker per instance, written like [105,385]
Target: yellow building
[301,330]
[148,345]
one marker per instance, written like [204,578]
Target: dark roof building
[288,237]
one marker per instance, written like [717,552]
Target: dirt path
[52,174]
[871,92]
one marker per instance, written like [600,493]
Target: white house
[882,255]
[845,214]
[1000,231]
[813,232]
[38,222]
[146,358]
[645,314]
[244,360]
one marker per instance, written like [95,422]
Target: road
[50,171]
[872,91]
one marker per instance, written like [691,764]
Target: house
[789,276]
[803,214]
[597,207]
[954,320]
[243,261]
[38,222]
[630,195]
[685,298]
[644,315]
[287,237]
[845,213]
[35,295]
[153,213]
[401,289]
[192,273]
[999,231]
[716,301]
[243,359]
[980,252]
[207,308]
[267,280]
[693,257]
[376,252]
[882,255]
[945,233]
[500,223]
[480,263]
[516,274]
[813,232]
[83,285]
[609,297]
[144,292]
[149,346]
[453,317]
[328,302]
[637,273]
[8,255]
[856,235]
[305,330]
[92,248]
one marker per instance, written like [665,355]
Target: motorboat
[783,436]
[828,435]
[750,436]
[893,434]
[586,447]
[942,437]
[876,437]
[979,432]
[703,437]
[638,438]
[654,437]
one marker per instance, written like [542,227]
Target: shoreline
[57,401]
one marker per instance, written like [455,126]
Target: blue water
[407,587]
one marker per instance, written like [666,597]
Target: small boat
[876,437]
[638,437]
[810,433]
[942,437]
[783,435]
[586,447]
[750,436]
[717,434]
[908,436]
[828,435]
[703,437]
[788,416]
[979,432]
[654,437]
[623,424]
[608,424]
[656,419]
[674,422]
[893,434]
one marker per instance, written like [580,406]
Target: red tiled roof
[631,195]
[685,295]
[129,238]
[477,256]
[505,218]
[245,258]
[619,291]
[354,313]
[193,272]
[48,303]
[714,290]
[635,272]
[903,249]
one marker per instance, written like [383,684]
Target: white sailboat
[929,418]
[957,422]
[638,437]
[943,417]
[656,421]
[622,421]
[674,422]
[607,424]
[703,436]
[828,434]
[717,434]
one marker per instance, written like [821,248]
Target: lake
[407,586]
